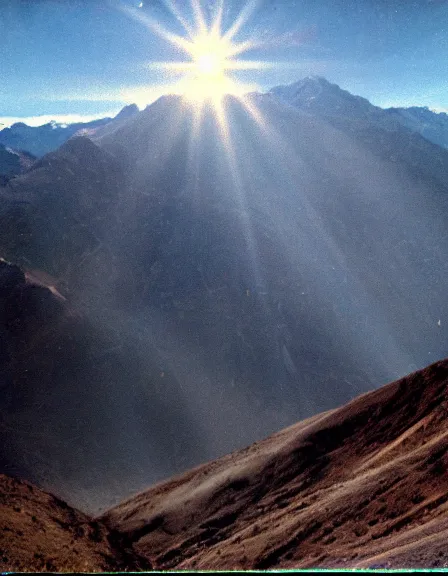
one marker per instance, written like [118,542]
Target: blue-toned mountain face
[13,162]
[432,125]
[40,140]
[318,96]
[227,280]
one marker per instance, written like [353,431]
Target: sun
[209,54]
[210,65]
[212,60]
[208,75]
[210,70]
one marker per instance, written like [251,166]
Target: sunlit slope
[361,486]
[364,485]
[238,269]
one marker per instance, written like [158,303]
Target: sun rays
[217,113]
[211,54]
[213,50]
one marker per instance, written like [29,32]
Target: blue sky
[90,57]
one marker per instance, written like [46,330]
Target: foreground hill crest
[360,486]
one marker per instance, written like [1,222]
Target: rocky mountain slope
[390,134]
[365,485]
[318,96]
[41,533]
[13,162]
[82,412]
[323,98]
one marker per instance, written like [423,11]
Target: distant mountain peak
[307,82]
[316,95]
[315,79]
[430,124]
[127,112]
[19,125]
[78,143]
[312,86]
[319,96]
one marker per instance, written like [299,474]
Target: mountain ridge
[430,124]
[41,533]
[41,140]
[319,96]
[13,162]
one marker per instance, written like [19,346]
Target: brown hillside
[363,485]
[41,533]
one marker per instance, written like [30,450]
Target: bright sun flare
[207,73]
[211,59]
[209,64]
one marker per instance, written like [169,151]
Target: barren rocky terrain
[365,485]
[41,533]
[361,486]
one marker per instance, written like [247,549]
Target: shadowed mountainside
[13,162]
[41,533]
[363,485]
[62,394]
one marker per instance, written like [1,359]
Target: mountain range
[321,97]
[310,93]
[39,140]
[193,284]
[434,127]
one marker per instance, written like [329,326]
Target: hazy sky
[91,57]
